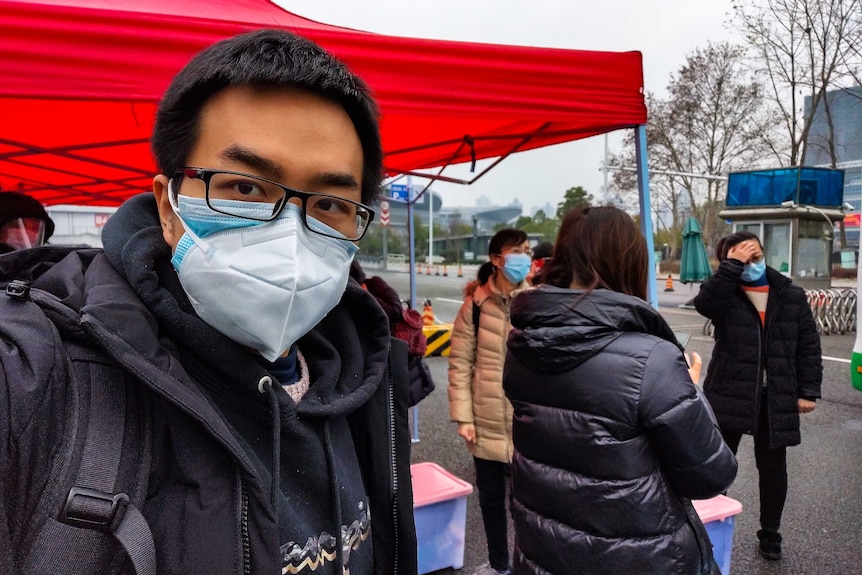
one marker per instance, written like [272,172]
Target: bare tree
[709,125]
[800,48]
[716,120]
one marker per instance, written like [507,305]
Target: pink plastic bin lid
[715,509]
[432,484]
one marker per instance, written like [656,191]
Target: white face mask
[264,285]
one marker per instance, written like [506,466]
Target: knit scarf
[758,293]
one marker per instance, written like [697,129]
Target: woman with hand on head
[476,400]
[610,433]
[766,366]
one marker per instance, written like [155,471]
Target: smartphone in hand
[682,337]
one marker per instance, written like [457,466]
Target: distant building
[78,225]
[483,216]
[845,107]
[549,210]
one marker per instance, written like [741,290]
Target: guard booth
[793,211]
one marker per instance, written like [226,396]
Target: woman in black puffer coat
[611,436]
[766,366]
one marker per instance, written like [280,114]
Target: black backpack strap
[477,312]
[94,526]
[94,502]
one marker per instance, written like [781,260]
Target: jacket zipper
[506,419]
[763,373]
[760,373]
[759,381]
[246,540]
[392,458]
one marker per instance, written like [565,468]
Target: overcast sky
[663,30]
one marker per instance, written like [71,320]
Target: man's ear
[171,228]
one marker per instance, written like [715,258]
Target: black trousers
[492,478]
[771,468]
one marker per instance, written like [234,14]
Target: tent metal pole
[412,247]
[412,252]
[645,211]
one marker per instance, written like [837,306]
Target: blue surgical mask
[517,267]
[753,271]
[203,221]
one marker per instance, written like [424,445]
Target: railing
[834,311]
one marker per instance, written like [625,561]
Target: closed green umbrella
[694,265]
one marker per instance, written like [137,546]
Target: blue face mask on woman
[753,271]
[517,267]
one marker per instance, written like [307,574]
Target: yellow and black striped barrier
[439,337]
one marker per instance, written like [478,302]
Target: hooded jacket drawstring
[333,484]
[265,386]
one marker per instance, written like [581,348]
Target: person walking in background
[24,223]
[476,400]
[405,324]
[766,366]
[542,253]
[611,435]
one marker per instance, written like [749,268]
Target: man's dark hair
[266,58]
[724,244]
[599,247]
[503,239]
[543,250]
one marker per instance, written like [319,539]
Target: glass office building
[845,108]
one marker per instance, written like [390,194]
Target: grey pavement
[822,523]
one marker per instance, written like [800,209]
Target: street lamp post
[475,236]
[830,233]
[834,215]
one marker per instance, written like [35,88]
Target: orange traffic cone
[428,313]
[460,273]
[427,269]
[436,270]
[668,285]
[445,271]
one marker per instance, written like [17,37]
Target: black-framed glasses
[348,218]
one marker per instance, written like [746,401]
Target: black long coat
[787,348]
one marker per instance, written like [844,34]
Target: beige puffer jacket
[476,370]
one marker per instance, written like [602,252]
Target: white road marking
[838,359]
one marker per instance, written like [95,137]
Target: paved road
[823,518]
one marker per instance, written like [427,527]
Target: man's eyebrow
[337,180]
[236,153]
[273,171]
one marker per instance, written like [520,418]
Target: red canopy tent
[81,80]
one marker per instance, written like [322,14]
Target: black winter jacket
[787,348]
[209,501]
[611,439]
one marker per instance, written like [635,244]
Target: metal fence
[834,311]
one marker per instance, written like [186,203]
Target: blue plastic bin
[717,516]
[440,513]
